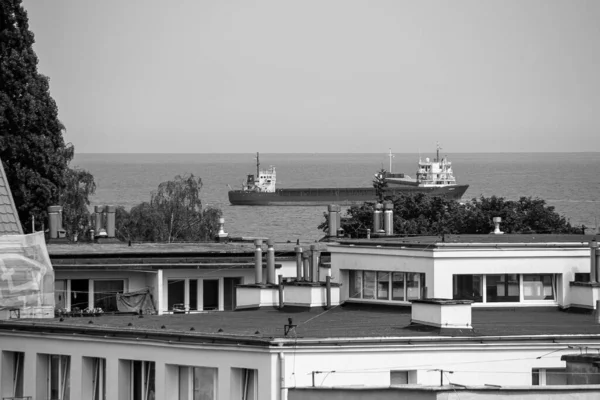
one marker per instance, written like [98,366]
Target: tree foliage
[78,186]
[419,214]
[32,149]
[173,214]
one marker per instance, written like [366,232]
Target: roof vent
[442,313]
[497,230]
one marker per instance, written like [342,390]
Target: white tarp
[26,274]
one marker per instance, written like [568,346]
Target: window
[58,377]
[355,284]
[502,288]
[12,373]
[369,285]
[413,286]
[538,287]
[398,286]
[402,377]
[193,294]
[244,384]
[105,294]
[94,378]
[176,294]
[467,287]
[548,376]
[142,380]
[383,285]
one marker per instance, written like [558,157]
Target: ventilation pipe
[328,290]
[54,217]
[497,230]
[99,210]
[377,219]
[594,272]
[306,262]
[298,263]
[258,261]
[388,218]
[314,263]
[110,220]
[271,279]
[334,219]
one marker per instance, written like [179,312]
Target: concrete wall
[117,352]
[440,265]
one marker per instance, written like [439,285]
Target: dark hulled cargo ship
[434,178]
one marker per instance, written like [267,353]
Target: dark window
[398,286]
[356,284]
[210,294]
[105,294]
[502,288]
[176,294]
[467,287]
[80,292]
[193,294]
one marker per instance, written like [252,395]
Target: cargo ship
[434,178]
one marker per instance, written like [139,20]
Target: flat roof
[349,321]
[121,249]
[491,239]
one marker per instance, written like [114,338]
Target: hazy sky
[322,76]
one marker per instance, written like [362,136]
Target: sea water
[568,181]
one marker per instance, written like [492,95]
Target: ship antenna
[257,165]
[438,151]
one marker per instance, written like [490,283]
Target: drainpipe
[282,388]
[314,263]
[328,290]
[594,261]
[298,263]
[280,291]
[270,262]
[258,261]
[306,263]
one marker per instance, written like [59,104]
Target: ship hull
[340,196]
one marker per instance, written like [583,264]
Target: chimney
[306,262]
[377,219]
[110,220]
[314,263]
[99,226]
[54,215]
[271,279]
[222,235]
[442,313]
[388,218]
[497,230]
[298,250]
[258,261]
[334,219]
[594,261]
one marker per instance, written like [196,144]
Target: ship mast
[438,148]
[257,165]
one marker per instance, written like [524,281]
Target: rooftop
[351,321]
[492,240]
[9,218]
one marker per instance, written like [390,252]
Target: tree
[380,184]
[174,213]
[33,152]
[418,214]
[78,186]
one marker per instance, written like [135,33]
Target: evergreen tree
[32,149]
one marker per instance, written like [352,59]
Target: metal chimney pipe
[110,220]
[53,217]
[388,218]
[314,263]
[271,279]
[258,261]
[298,263]
[333,219]
[328,290]
[99,210]
[377,218]
[306,262]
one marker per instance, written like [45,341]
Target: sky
[322,76]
